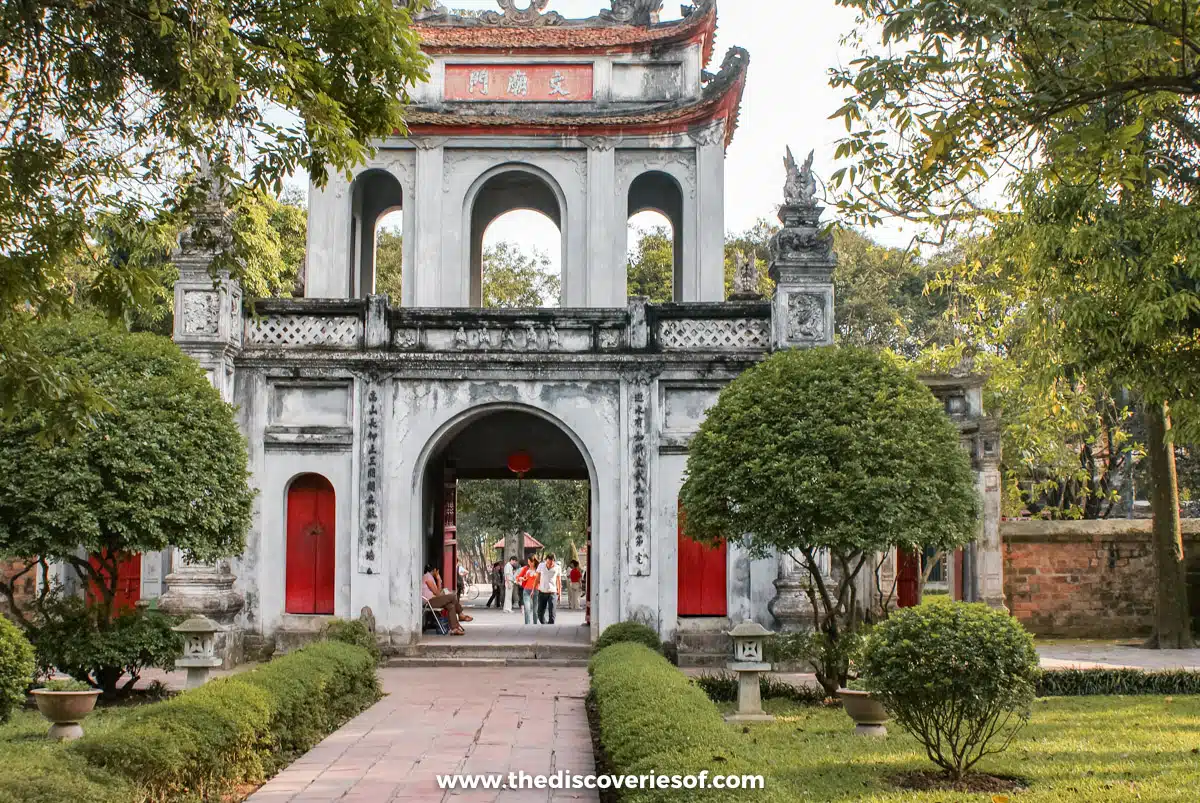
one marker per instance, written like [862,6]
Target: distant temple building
[363,412]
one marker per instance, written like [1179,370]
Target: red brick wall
[26,588]
[1086,579]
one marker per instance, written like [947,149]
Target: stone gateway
[363,412]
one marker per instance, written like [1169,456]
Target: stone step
[444,649]
[704,624]
[704,643]
[426,662]
[703,661]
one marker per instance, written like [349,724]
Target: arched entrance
[472,500]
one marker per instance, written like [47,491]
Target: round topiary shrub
[16,667]
[634,632]
[960,678]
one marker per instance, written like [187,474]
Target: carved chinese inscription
[639,548]
[522,83]
[368,543]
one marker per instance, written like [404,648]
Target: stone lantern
[199,649]
[748,639]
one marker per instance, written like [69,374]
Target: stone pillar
[208,328]
[704,275]
[434,283]
[802,265]
[604,277]
[327,263]
[981,564]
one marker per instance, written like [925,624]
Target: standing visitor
[528,579]
[510,578]
[549,589]
[462,579]
[497,577]
[574,585]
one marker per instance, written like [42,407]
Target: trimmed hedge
[628,632]
[1089,682]
[654,720]
[17,666]
[238,729]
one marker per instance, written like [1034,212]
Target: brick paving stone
[443,721]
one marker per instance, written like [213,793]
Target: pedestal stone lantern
[748,639]
[199,649]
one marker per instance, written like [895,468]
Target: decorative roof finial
[531,15]
[745,277]
[801,186]
[633,12]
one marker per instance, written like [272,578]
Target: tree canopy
[166,466]
[118,120]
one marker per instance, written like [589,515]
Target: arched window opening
[375,194]
[389,255]
[651,265]
[311,546]
[656,221]
[517,242]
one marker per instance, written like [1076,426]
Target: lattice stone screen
[737,333]
[305,330]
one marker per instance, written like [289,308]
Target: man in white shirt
[549,589]
[510,577]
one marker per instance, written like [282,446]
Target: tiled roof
[721,98]
[459,38]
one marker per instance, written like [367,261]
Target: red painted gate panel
[702,572]
[311,546]
[129,582]
[908,579]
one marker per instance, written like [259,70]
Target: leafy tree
[166,466]
[389,263]
[113,118]
[834,450]
[1091,110]
[652,266]
[552,511]
[513,279]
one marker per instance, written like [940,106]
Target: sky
[793,44]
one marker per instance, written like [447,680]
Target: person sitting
[432,592]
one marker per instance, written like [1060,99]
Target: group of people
[537,587]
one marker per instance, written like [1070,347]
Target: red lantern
[520,463]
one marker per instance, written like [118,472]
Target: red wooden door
[129,582]
[311,546]
[908,579]
[702,570]
[450,530]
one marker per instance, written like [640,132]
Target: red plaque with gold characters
[519,83]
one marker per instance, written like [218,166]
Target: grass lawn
[26,753]
[1077,749]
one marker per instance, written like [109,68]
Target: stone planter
[868,713]
[66,709]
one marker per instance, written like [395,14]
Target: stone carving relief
[801,186]
[527,337]
[746,277]
[806,317]
[736,333]
[201,312]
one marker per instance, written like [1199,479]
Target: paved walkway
[494,627]
[1110,656]
[486,720]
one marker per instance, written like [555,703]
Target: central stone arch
[475,444]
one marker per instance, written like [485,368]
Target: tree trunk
[1172,621]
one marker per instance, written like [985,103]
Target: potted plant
[869,715]
[65,703]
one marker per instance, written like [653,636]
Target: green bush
[69,684]
[1088,682]
[16,668]
[59,778]
[238,729]
[353,631]
[81,641]
[959,677]
[722,687]
[631,632]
